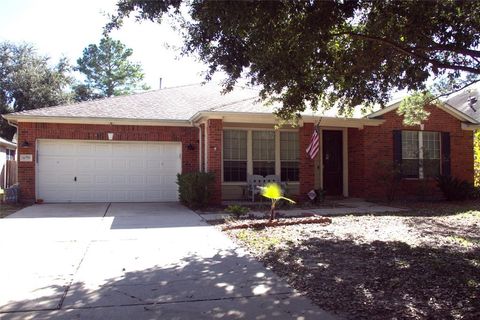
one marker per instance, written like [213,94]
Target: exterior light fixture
[25,144]
[110,135]
[190,147]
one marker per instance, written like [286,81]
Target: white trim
[472,127]
[110,121]
[384,110]
[249,131]
[421,174]
[442,106]
[234,117]
[278,163]
[249,153]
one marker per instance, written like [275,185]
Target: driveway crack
[106,210]
[65,292]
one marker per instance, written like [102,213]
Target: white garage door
[87,171]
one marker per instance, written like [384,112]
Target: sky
[65,27]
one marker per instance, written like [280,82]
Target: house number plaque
[26,158]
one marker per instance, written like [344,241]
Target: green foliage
[412,108]
[454,189]
[108,71]
[328,53]
[274,192]
[389,176]
[29,81]
[237,210]
[476,155]
[195,188]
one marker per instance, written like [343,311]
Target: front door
[332,162]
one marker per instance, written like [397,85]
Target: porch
[261,152]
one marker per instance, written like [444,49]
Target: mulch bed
[255,224]
[391,266]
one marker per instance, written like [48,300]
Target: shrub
[195,188]
[237,210]
[389,176]
[453,188]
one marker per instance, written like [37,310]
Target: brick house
[130,148]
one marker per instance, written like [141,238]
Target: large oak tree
[28,80]
[320,51]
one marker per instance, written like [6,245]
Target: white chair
[253,182]
[272,178]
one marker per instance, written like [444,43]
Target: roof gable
[442,106]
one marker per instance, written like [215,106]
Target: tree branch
[408,52]
[455,90]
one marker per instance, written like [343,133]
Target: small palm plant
[273,192]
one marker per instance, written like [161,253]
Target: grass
[8,209]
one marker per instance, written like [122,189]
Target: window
[234,155]
[289,156]
[10,154]
[254,152]
[263,152]
[420,154]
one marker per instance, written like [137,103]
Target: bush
[389,176]
[454,189]
[237,210]
[195,188]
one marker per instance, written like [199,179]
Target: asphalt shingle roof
[176,103]
[182,103]
[463,101]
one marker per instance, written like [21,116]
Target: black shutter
[445,154]
[397,147]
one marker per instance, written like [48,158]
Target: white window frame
[421,174]
[280,156]
[250,151]
[249,156]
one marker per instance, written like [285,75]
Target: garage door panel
[119,164]
[107,171]
[85,179]
[153,164]
[136,180]
[85,165]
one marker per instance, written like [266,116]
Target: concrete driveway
[133,261]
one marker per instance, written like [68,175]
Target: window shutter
[397,147]
[445,145]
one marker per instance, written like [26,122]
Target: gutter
[87,120]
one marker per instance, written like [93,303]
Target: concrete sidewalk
[133,261]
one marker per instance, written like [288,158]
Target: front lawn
[8,209]
[420,264]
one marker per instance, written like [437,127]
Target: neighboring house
[7,152]
[130,148]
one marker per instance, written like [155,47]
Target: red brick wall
[356,162]
[214,155]
[30,132]
[202,147]
[374,145]
[307,165]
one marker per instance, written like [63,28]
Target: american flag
[314,145]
